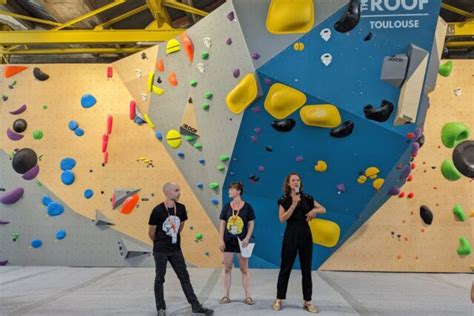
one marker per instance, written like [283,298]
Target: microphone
[297,190]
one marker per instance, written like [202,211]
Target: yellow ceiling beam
[456,10]
[29,18]
[159,13]
[183,7]
[461,29]
[85,50]
[121,17]
[87,36]
[460,44]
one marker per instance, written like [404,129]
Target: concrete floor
[129,291]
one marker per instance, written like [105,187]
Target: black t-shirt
[305,205]
[163,240]
[234,226]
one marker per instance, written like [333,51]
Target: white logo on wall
[398,14]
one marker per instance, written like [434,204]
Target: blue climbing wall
[350,82]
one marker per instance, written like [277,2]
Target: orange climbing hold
[188,46]
[10,71]
[129,204]
[172,79]
[160,65]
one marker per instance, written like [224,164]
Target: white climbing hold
[325,34]
[326,59]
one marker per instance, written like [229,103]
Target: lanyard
[238,210]
[166,208]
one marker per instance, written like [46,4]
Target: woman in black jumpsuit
[297,209]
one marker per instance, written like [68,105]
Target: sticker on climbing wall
[188,120]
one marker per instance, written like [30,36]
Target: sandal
[224,300]
[309,307]
[249,301]
[277,305]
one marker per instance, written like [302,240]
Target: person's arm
[152,232]
[285,215]
[181,227]
[246,240]
[317,209]
[221,235]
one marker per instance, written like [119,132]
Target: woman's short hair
[238,186]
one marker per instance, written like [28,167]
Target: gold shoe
[277,305]
[309,307]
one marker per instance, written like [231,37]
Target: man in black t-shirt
[165,225]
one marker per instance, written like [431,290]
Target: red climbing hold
[410,195]
[10,71]
[106,157]
[401,195]
[109,124]
[110,72]
[410,177]
[105,140]
[133,110]
[412,166]
[411,135]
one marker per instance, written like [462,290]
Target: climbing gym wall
[334,90]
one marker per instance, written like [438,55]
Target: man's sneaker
[162,312]
[203,310]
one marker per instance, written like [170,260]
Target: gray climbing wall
[86,244]
[218,127]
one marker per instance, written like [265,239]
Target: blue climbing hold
[67,177]
[181,155]
[36,243]
[202,161]
[55,209]
[215,201]
[88,193]
[159,135]
[68,163]
[73,125]
[88,101]
[200,185]
[61,234]
[46,200]
[138,120]
[79,131]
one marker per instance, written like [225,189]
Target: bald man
[165,225]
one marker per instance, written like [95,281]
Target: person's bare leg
[244,269]
[228,256]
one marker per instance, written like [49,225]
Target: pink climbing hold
[231,16]
[3,222]
[105,141]
[12,196]
[341,188]
[299,158]
[31,174]
[110,72]
[20,110]
[254,138]
[133,110]
[109,124]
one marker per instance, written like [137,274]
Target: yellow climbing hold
[472,214]
[158,91]
[321,166]
[243,94]
[372,172]
[282,100]
[377,184]
[325,233]
[173,138]
[148,121]
[361,179]
[321,115]
[172,46]
[290,16]
[151,76]
[298,46]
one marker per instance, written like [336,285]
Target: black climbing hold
[19,125]
[90,170]
[145,199]
[254,178]
[463,158]
[144,55]
[343,130]
[426,215]
[153,194]
[381,114]
[103,164]
[24,160]
[421,140]
[269,149]
[368,37]
[101,192]
[284,125]
[433,167]
[159,80]
[350,18]
[41,76]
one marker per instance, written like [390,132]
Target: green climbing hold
[189,138]
[205,55]
[37,134]
[453,133]
[208,95]
[464,248]
[458,211]
[198,146]
[224,158]
[193,83]
[446,68]
[198,236]
[449,171]
[45,107]
[213,185]
[15,236]
[205,106]
[221,167]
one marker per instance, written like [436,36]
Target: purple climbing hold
[258,130]
[31,174]
[236,73]
[12,196]
[341,188]
[268,81]
[231,16]
[418,133]
[3,262]
[3,222]
[13,136]
[255,56]
[299,158]
[394,191]
[414,148]
[229,41]
[254,138]
[20,110]
[256,109]
[261,168]
[405,172]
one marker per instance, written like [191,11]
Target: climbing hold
[193,83]
[31,174]
[188,46]
[229,41]
[41,76]
[215,201]
[204,55]
[290,17]
[285,125]
[172,46]
[282,100]
[36,243]
[213,185]
[208,95]
[172,79]
[88,101]
[149,83]
[79,132]
[401,195]
[350,18]
[207,42]
[459,212]
[414,149]
[394,191]
[449,171]
[24,160]
[133,110]
[173,138]
[254,178]
[148,121]
[463,158]
[372,172]
[110,120]
[298,46]
[189,138]
[343,130]
[45,200]
[322,115]
[220,167]
[198,146]
[453,133]
[268,148]
[61,234]
[464,248]
[410,195]
[160,65]
[202,161]
[368,37]
[261,168]
[157,90]
[377,184]
[19,125]
[129,204]
[320,166]
[15,236]
[325,233]
[446,68]
[341,188]
[73,125]
[426,215]
[10,71]
[13,136]
[88,193]
[67,177]
[37,134]
[255,56]
[110,72]
[200,185]
[361,179]
[381,114]
[231,16]
[243,94]
[198,236]
[236,73]
[12,196]
[67,164]
[181,155]
[224,158]
[55,209]
[20,110]
[326,59]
